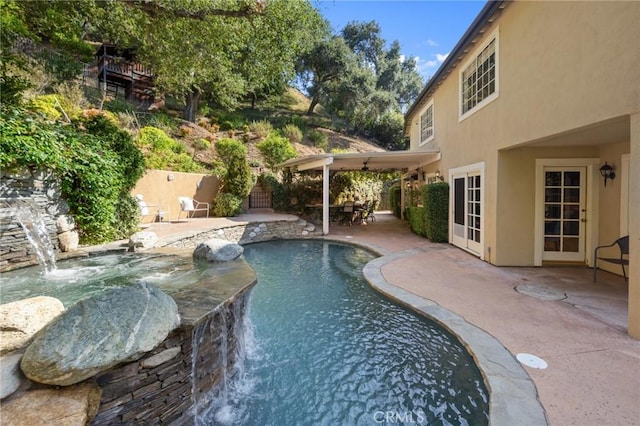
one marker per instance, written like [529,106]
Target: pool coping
[513,397]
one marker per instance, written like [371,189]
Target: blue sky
[426,29]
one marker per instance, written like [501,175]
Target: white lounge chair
[191,206]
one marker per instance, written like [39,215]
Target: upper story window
[426,124]
[479,78]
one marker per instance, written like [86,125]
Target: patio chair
[623,247]
[191,206]
[145,209]
[368,215]
[347,213]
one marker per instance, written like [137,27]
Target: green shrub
[163,153]
[280,194]
[261,128]
[436,203]
[202,144]
[117,105]
[226,205]
[96,170]
[292,132]
[319,139]
[127,217]
[47,106]
[235,174]
[416,220]
[394,200]
[160,120]
[276,149]
[154,139]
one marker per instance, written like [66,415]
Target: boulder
[65,223]
[217,250]
[68,241]
[142,240]
[10,375]
[20,320]
[74,405]
[97,333]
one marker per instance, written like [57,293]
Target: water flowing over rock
[75,405]
[100,332]
[217,250]
[20,320]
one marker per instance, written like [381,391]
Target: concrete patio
[557,313]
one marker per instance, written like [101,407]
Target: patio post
[325,199]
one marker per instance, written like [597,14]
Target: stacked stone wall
[168,385]
[253,233]
[41,187]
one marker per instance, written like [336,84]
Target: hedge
[435,198]
[417,220]
[394,200]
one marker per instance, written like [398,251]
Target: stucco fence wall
[161,189]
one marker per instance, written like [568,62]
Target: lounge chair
[191,206]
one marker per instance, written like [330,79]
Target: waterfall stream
[28,214]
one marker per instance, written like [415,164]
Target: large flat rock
[100,332]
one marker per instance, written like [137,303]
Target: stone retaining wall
[43,188]
[169,384]
[252,233]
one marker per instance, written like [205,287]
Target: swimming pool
[322,347]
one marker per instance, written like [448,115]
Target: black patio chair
[623,246]
[368,214]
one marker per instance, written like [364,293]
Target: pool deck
[556,313]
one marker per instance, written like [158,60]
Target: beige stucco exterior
[161,189]
[568,94]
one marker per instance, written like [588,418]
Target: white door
[564,214]
[467,211]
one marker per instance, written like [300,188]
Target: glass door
[467,208]
[564,214]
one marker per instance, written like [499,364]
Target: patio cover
[404,161]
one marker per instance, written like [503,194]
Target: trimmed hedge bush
[436,205]
[394,200]
[417,220]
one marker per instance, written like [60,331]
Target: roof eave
[478,24]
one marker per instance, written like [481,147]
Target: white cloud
[441,57]
[427,67]
[431,43]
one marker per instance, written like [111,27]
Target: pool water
[83,277]
[324,348]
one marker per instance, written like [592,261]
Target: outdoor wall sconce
[439,177]
[170,177]
[607,173]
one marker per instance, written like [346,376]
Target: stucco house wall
[567,84]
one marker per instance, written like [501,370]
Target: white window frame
[473,59]
[432,127]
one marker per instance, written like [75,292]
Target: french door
[467,211]
[564,207]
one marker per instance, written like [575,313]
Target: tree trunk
[312,105]
[254,97]
[191,108]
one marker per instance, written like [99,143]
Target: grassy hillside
[199,138]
